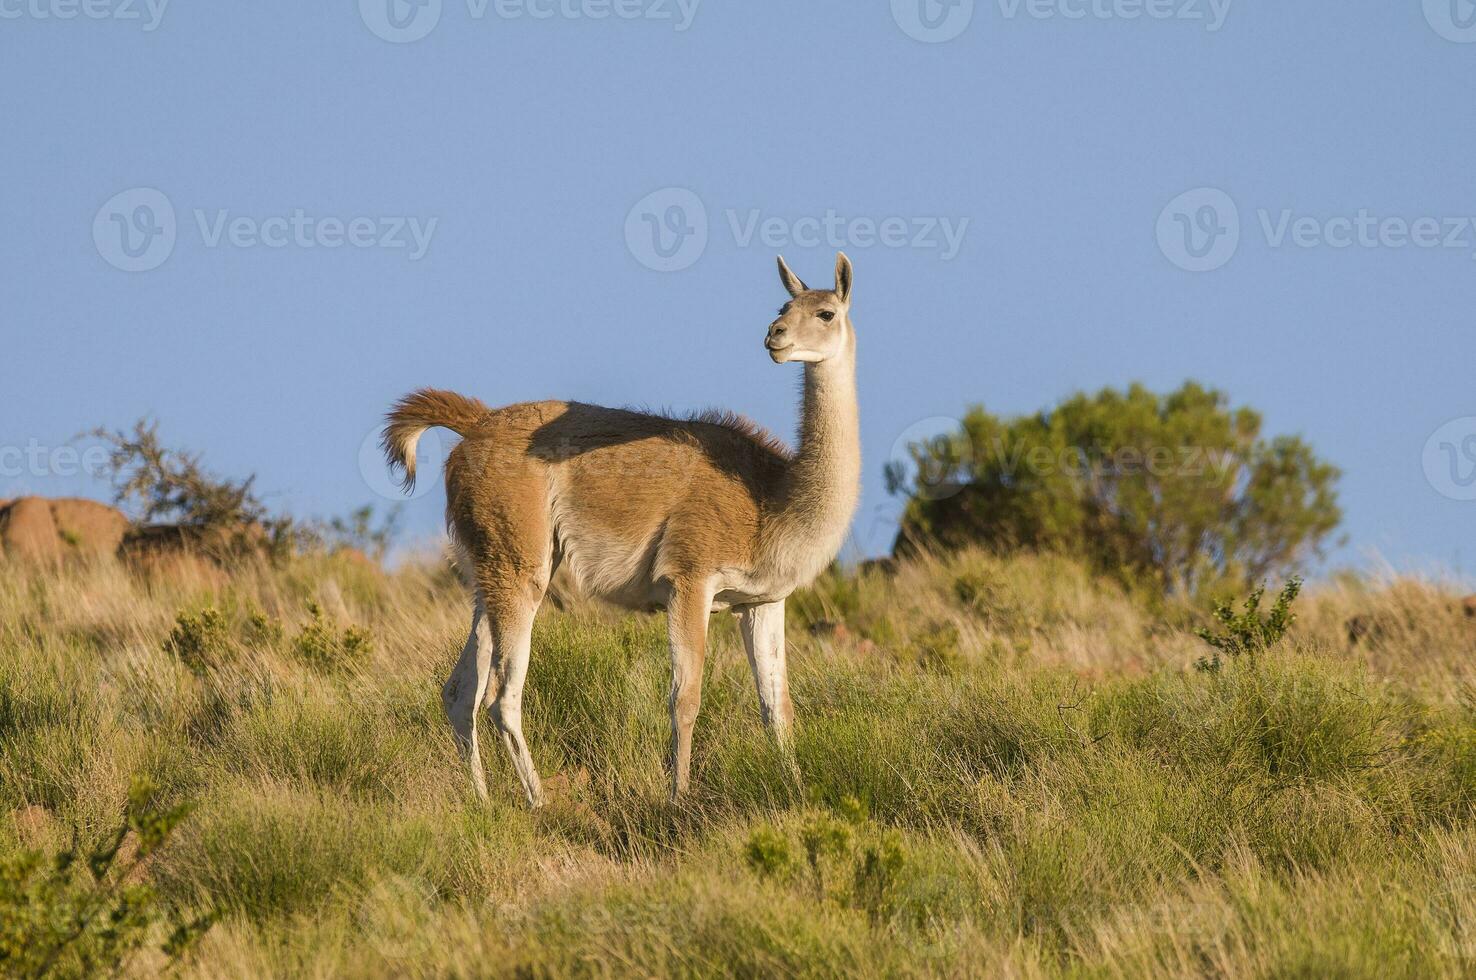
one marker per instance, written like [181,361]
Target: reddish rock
[28,532]
[42,531]
[89,527]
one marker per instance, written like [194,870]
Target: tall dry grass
[1004,767]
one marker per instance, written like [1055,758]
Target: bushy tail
[419,411]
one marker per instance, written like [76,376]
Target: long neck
[824,479]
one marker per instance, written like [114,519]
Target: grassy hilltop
[1004,767]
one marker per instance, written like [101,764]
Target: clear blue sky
[529,140]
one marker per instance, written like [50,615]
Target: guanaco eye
[826,315]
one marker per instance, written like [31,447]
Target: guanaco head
[815,325]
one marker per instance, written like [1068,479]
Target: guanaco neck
[821,488]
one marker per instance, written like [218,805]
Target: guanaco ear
[843,277]
[791,281]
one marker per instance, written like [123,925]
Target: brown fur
[680,488]
[646,511]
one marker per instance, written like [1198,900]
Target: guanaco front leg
[763,637]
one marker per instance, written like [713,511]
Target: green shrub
[325,646]
[850,863]
[1248,633]
[201,641]
[262,630]
[834,597]
[82,912]
[937,646]
[1177,489]
[768,852]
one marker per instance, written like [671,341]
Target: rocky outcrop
[28,532]
[1376,627]
[44,531]
[147,542]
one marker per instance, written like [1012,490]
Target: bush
[1177,489]
[324,646]
[221,517]
[362,532]
[1248,633]
[224,517]
[83,914]
[850,863]
[201,641]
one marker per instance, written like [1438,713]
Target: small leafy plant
[825,839]
[768,853]
[847,860]
[85,912]
[200,640]
[361,530]
[1248,633]
[262,630]
[326,647]
[937,646]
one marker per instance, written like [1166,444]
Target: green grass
[1002,767]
